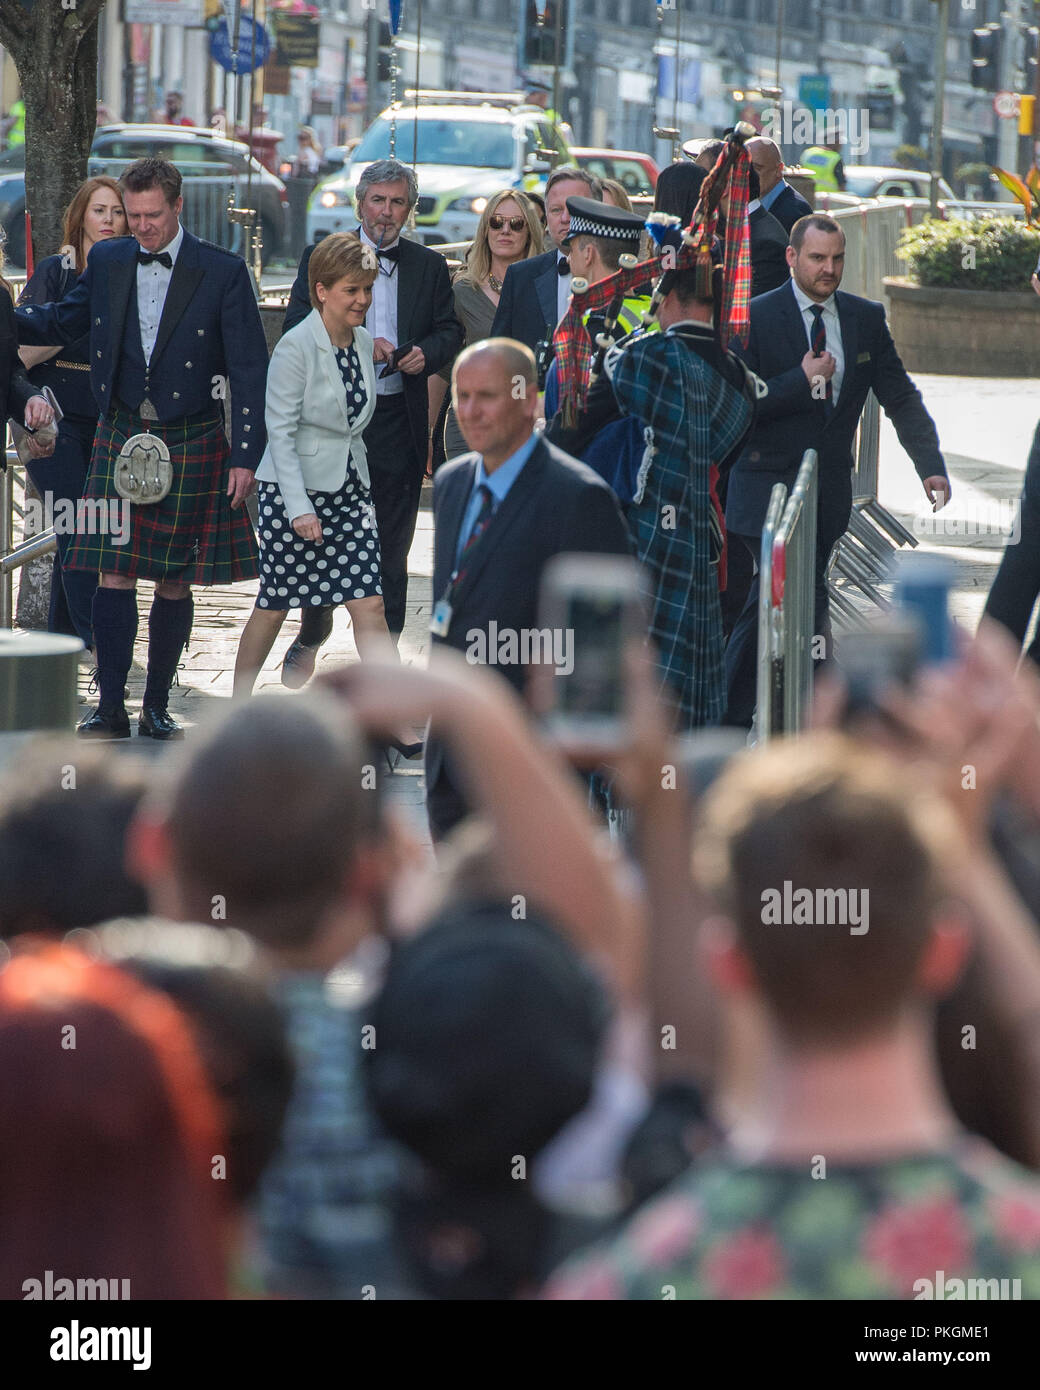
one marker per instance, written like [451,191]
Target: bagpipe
[577,365]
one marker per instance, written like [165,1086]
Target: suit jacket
[788,206]
[15,386]
[425,315]
[307,422]
[210,335]
[556,505]
[527,305]
[769,240]
[790,420]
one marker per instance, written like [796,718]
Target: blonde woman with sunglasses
[510,230]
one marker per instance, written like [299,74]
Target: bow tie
[163,257]
[389,253]
[563,266]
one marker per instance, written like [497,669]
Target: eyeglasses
[516,224]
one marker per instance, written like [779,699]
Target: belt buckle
[147,411]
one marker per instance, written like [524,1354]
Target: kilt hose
[192,536]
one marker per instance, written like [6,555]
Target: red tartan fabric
[574,355]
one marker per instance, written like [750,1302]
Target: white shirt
[832,326]
[563,289]
[153,282]
[381,319]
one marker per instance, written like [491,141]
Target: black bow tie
[163,257]
[389,253]
[563,266]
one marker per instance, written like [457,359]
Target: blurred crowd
[254,1046]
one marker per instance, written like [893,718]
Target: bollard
[38,675]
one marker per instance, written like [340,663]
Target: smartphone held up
[596,606]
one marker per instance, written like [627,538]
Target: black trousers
[1013,595]
[397,476]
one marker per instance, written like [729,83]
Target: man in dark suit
[412,304]
[820,352]
[500,513]
[778,197]
[535,292]
[173,326]
[767,242]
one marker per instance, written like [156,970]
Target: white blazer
[310,442]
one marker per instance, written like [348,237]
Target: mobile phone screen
[596,633]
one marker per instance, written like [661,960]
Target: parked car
[212,167]
[635,172]
[466,147]
[875,181]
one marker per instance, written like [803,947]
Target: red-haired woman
[110,1135]
[94,214]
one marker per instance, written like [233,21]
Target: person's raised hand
[818,366]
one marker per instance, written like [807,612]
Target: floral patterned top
[909,1228]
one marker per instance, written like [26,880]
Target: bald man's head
[495,394]
[767,162]
[515,359]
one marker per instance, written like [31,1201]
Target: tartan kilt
[192,536]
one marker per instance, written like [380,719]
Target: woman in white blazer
[318,540]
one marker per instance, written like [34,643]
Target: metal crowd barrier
[786,605]
[13,557]
[862,559]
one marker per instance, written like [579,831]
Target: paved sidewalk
[985,430]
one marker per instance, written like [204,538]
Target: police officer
[598,236]
[825,162]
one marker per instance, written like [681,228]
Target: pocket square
[863,357]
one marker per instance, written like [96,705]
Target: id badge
[440,622]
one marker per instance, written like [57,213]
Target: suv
[213,166]
[466,145]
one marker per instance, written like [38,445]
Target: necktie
[563,266]
[163,257]
[389,253]
[818,341]
[480,525]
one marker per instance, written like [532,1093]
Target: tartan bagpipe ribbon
[575,356]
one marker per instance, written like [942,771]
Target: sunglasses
[516,224]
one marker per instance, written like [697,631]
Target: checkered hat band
[588,226]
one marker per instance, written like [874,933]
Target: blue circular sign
[254,46]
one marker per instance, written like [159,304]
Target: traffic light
[985,57]
[385,40]
[540,39]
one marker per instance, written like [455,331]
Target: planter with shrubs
[966,307]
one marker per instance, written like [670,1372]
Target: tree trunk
[54,47]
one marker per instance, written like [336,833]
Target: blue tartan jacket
[697,418]
[210,343]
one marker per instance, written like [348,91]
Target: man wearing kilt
[174,328]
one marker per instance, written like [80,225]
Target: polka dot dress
[344,564]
